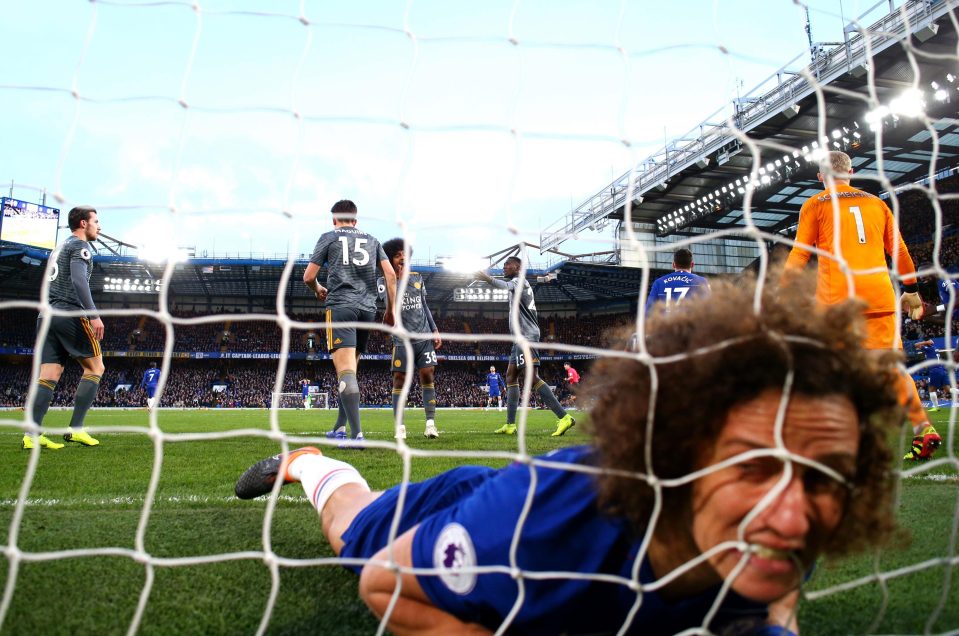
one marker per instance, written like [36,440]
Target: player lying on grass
[782,457]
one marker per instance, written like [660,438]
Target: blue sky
[423,112]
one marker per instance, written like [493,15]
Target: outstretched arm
[493,282]
[413,613]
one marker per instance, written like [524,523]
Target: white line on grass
[115,501]
[197,499]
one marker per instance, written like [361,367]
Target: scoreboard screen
[29,223]
[479,293]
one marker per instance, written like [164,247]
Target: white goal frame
[288,401]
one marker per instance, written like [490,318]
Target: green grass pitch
[91,498]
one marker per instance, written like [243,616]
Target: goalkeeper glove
[912,303]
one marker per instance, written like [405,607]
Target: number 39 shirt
[352,258]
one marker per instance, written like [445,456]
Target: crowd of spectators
[250,383]
[137,333]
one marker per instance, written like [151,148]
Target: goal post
[318,400]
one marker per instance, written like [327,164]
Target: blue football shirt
[944,287]
[564,532]
[673,288]
[150,378]
[494,381]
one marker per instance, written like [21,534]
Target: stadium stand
[565,302]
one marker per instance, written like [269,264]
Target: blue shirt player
[948,288]
[151,377]
[671,289]
[305,392]
[938,377]
[494,381]
[563,543]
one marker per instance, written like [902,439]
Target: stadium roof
[699,181]
[238,280]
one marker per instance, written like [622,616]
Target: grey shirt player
[415,314]
[352,258]
[70,278]
[528,325]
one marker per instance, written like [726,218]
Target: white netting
[318,400]
[292,83]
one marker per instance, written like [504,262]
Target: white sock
[321,476]
[934,398]
[150,402]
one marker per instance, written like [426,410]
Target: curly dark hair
[393,247]
[733,354]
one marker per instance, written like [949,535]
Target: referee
[71,336]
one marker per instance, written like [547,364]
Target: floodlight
[910,103]
[462,263]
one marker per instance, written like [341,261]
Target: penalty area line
[95,502]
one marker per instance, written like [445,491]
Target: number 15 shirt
[353,259]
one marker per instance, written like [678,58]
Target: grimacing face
[785,536]
[398,261]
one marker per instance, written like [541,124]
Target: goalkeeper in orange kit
[855,229]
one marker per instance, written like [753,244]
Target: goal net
[318,400]
[212,137]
